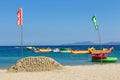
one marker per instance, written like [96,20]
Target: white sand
[86,72]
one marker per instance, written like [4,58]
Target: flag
[19,16]
[95,22]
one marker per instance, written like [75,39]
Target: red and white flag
[19,15]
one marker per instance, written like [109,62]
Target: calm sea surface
[9,55]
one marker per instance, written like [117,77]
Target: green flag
[95,22]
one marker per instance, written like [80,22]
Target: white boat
[56,50]
[29,48]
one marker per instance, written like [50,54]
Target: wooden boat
[80,51]
[92,51]
[108,59]
[45,50]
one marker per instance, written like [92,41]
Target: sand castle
[35,64]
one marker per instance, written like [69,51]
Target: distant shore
[81,72]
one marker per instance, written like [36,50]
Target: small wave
[17,47]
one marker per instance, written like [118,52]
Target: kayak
[108,59]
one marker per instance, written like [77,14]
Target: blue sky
[59,21]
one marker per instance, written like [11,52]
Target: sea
[9,55]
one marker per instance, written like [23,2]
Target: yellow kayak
[80,51]
[45,50]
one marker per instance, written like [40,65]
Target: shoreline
[81,72]
[4,69]
[83,64]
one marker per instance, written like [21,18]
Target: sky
[54,22]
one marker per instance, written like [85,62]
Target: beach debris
[35,64]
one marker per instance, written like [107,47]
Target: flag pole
[21,40]
[100,42]
[99,36]
[19,23]
[97,28]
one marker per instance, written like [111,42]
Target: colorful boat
[65,50]
[108,59]
[80,51]
[45,50]
[92,51]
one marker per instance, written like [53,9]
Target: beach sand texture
[91,72]
[81,72]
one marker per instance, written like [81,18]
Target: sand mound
[34,64]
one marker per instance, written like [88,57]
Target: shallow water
[11,54]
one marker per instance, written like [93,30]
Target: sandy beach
[82,72]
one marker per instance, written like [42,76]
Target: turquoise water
[11,54]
